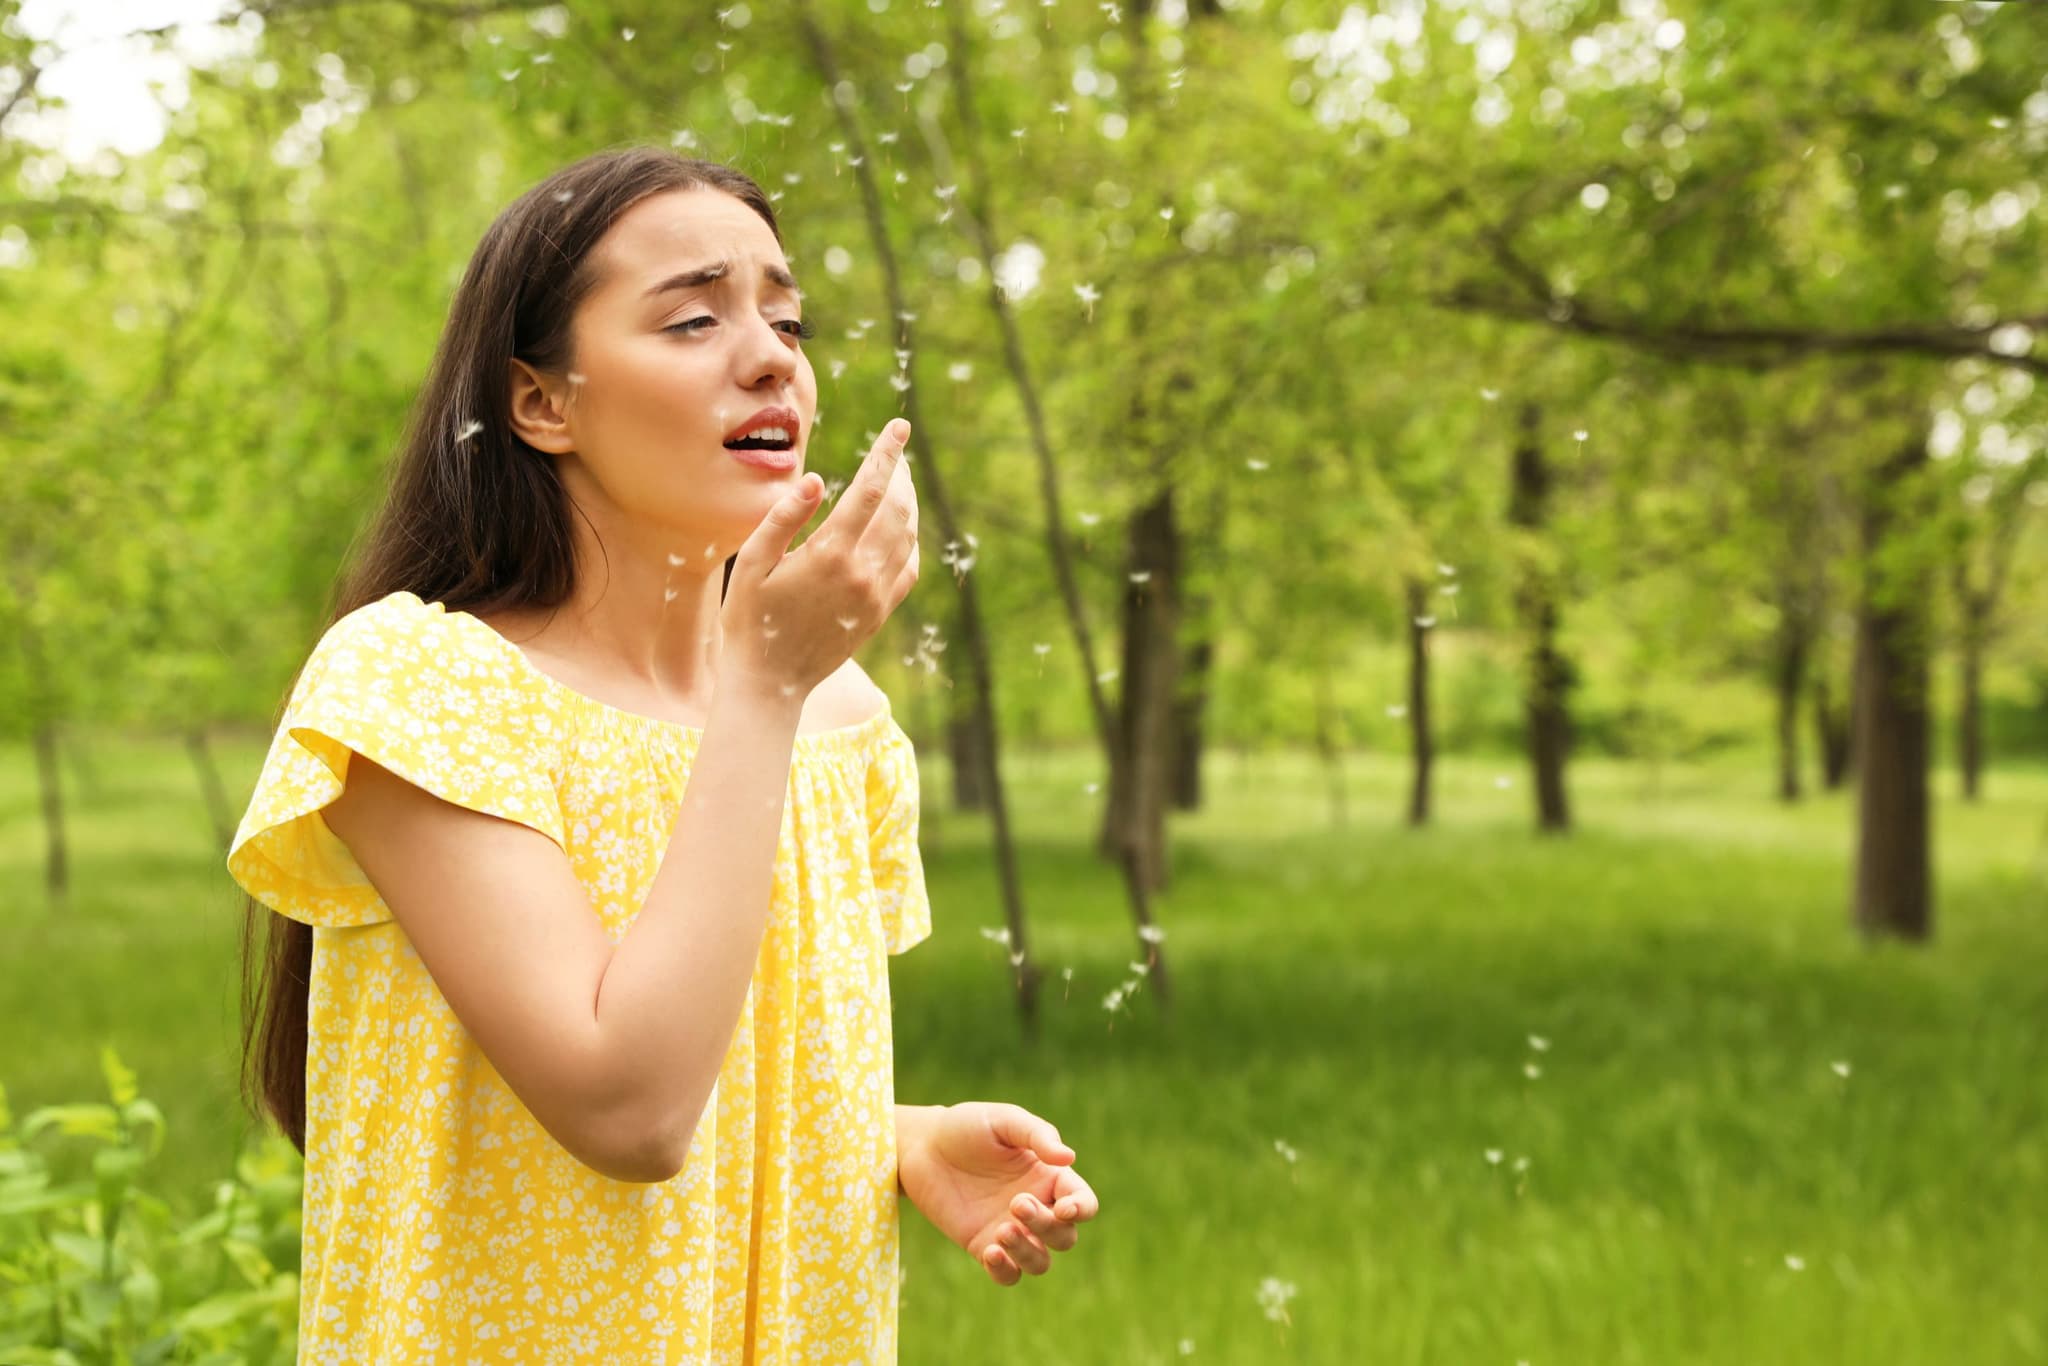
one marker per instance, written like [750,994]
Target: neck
[639,617]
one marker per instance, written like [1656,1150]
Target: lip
[780,461]
[769,417]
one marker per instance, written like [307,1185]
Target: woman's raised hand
[792,617]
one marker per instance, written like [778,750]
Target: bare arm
[615,1049]
[581,1031]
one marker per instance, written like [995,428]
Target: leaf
[120,1077]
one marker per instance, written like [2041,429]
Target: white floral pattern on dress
[442,1223]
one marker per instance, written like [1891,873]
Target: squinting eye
[687,323]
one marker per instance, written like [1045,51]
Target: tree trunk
[1970,702]
[49,778]
[1142,775]
[1548,674]
[968,746]
[1189,711]
[1893,891]
[1831,730]
[1328,749]
[1422,746]
[1789,676]
[211,789]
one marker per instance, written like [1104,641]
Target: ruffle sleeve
[400,683]
[892,809]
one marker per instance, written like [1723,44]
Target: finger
[1000,1268]
[857,506]
[905,581]
[769,541]
[1073,1199]
[892,536]
[1056,1233]
[1025,1251]
[1017,1127]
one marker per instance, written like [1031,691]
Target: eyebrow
[718,270]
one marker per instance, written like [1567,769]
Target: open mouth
[766,439]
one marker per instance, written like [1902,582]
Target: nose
[767,354]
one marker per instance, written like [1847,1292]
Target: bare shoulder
[854,697]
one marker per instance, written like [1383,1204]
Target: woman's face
[668,367]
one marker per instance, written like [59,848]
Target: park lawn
[1688,1177]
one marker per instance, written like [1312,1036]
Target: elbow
[634,1148]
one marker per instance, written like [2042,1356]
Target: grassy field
[1688,1176]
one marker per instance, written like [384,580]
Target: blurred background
[1479,673]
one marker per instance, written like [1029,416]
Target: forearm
[671,993]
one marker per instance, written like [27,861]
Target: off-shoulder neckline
[839,737]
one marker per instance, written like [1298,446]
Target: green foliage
[100,1269]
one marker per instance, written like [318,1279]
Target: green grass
[1366,994]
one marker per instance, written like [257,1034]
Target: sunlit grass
[1688,1177]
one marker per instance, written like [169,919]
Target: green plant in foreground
[94,1269]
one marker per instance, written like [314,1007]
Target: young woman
[588,842]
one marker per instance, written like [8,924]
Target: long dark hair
[473,516]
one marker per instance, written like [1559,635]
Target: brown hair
[473,516]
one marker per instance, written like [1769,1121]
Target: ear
[540,409]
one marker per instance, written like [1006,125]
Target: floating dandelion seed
[1539,1043]
[1795,1262]
[1111,9]
[1167,213]
[1579,435]
[1152,934]
[902,178]
[1041,649]
[1425,622]
[1140,968]
[1141,576]
[838,368]
[1187,1346]
[1088,294]
[903,87]
[1274,1295]
[1521,1164]
[1256,464]
[998,935]
[886,138]
[847,623]
[1531,1071]
[564,196]
[1106,676]
[511,75]
[1089,518]
[668,595]
[1017,958]
[1503,781]
[1840,1069]
[1449,590]
[1397,711]
[627,34]
[1493,1156]
[1446,569]
[900,383]
[469,429]
[1282,1147]
[1091,788]
[960,371]
[1489,394]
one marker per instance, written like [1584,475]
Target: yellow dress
[442,1224]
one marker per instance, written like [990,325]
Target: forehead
[679,229]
